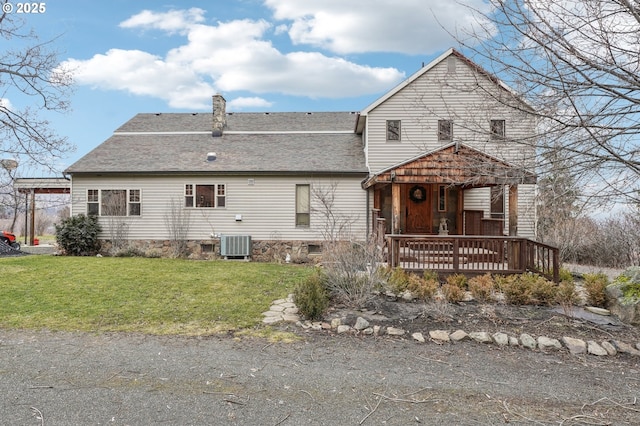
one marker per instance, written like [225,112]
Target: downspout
[367,213]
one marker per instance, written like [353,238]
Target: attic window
[445,130]
[393,130]
[497,129]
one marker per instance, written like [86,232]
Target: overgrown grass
[156,296]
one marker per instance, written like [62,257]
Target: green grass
[155,296]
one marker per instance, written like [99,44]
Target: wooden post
[395,203]
[513,210]
[32,224]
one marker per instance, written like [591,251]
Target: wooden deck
[472,254]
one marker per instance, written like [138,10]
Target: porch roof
[453,164]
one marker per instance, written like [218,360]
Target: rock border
[285,310]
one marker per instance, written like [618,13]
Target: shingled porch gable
[454,165]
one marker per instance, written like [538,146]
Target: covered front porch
[426,215]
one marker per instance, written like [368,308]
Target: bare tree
[177,219]
[577,63]
[29,71]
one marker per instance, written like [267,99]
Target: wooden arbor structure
[33,186]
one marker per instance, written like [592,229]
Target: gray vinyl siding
[267,206]
[438,95]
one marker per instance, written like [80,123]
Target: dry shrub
[397,279]
[424,288]
[566,293]
[595,285]
[351,272]
[543,291]
[452,293]
[458,280]
[481,287]
[515,290]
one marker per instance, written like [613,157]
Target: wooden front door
[417,200]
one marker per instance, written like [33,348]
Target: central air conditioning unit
[235,246]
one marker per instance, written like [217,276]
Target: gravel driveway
[89,379]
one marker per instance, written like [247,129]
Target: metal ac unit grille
[235,246]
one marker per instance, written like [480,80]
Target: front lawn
[158,296]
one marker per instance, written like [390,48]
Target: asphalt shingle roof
[142,145]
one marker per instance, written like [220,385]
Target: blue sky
[262,55]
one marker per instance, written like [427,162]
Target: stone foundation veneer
[262,250]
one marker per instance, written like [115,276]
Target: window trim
[443,192]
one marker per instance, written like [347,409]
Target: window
[497,129]
[114,202]
[303,205]
[134,202]
[442,198]
[445,130]
[497,202]
[205,196]
[93,202]
[393,130]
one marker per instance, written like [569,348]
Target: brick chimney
[219,115]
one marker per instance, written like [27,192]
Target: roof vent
[211,156]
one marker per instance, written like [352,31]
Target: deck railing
[472,254]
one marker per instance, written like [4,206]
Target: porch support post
[513,210]
[395,208]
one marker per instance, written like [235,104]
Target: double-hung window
[205,196]
[303,205]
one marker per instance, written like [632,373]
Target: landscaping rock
[439,336]
[527,341]
[611,350]
[393,331]
[458,336]
[513,341]
[575,346]
[622,301]
[625,348]
[548,343]
[336,322]
[418,337]
[361,324]
[501,339]
[343,329]
[594,348]
[481,337]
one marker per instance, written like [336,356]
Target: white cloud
[358,26]
[6,104]
[239,55]
[241,103]
[173,21]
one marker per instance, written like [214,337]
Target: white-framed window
[303,205]
[497,129]
[93,202]
[393,130]
[445,130]
[114,202]
[208,196]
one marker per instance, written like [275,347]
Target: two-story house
[448,151]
